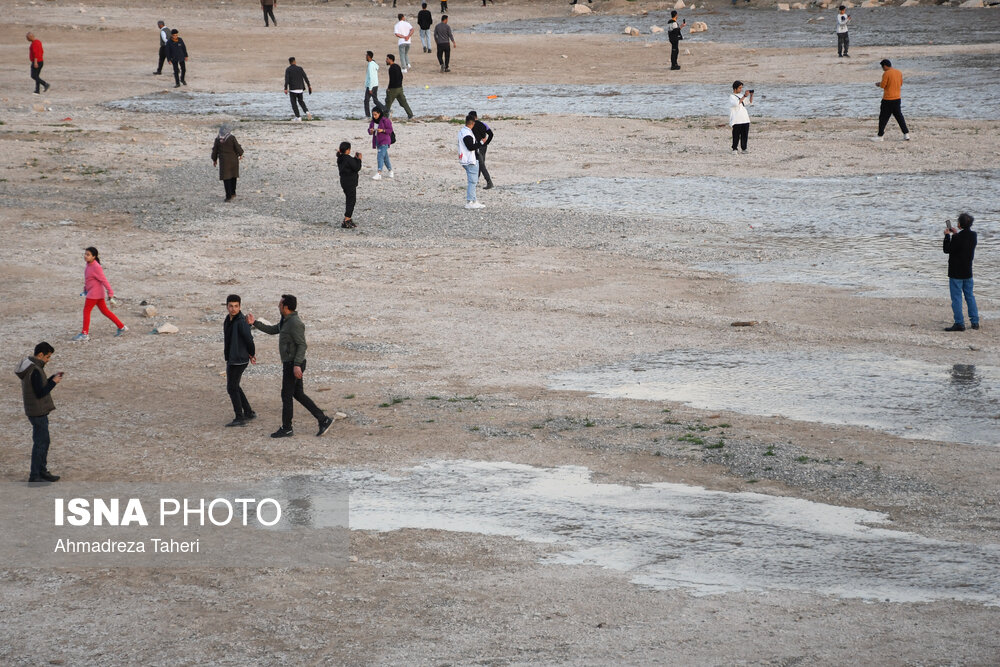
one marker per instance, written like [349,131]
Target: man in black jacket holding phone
[239,351]
[960,246]
[484,136]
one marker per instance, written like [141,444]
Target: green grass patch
[691,438]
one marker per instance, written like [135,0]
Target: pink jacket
[94,282]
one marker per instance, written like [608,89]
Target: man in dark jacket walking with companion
[177,55]
[292,348]
[296,83]
[164,33]
[394,91]
[239,351]
[960,246]
[37,393]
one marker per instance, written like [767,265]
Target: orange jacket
[892,82]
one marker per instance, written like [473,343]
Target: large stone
[972,3]
[799,5]
[629,30]
[868,4]
[783,7]
[580,9]
[699,26]
[149,311]
[679,4]
[910,3]
[166,328]
[655,29]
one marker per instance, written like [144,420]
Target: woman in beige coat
[227,153]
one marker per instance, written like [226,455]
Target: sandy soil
[423,301]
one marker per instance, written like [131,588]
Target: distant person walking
[371,83]
[36,56]
[95,288]
[268,7]
[484,137]
[404,31]
[739,117]
[36,391]
[442,36]
[960,246]
[348,167]
[177,54]
[380,128]
[227,153]
[292,349]
[891,85]
[424,21]
[395,90]
[675,37]
[239,352]
[296,83]
[467,147]
[444,6]
[843,40]
[164,37]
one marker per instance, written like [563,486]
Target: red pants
[89,306]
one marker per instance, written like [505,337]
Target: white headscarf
[225,131]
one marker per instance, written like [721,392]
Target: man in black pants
[444,6]
[164,38]
[238,350]
[37,393]
[177,55]
[674,34]
[442,36]
[268,7]
[296,83]
[484,135]
[292,348]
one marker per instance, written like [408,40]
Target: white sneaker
[876,139]
[475,204]
[296,120]
[405,71]
[377,177]
[906,137]
[392,174]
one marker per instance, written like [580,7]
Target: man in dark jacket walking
[960,246]
[177,55]
[37,393]
[292,349]
[296,83]
[484,135]
[675,37]
[424,21]
[239,351]
[268,7]
[395,90]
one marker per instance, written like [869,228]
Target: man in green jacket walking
[292,349]
[36,390]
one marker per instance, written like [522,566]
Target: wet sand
[442,334]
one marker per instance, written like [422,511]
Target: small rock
[580,9]
[783,7]
[868,4]
[679,4]
[910,3]
[166,328]
[799,5]
[656,29]
[972,3]
[339,415]
[149,311]
[38,107]
[699,26]
[629,30]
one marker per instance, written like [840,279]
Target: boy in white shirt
[403,31]
[843,41]
[739,118]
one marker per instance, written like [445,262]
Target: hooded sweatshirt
[94,282]
[348,166]
[37,392]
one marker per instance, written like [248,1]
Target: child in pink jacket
[95,285]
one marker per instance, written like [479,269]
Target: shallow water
[670,536]
[933,95]
[882,233]
[957,403]
[894,26]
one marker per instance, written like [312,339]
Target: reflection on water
[899,396]
[671,536]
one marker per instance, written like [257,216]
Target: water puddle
[857,231]
[914,399]
[670,536]
[894,26]
[954,94]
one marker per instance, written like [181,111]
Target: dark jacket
[443,34]
[36,391]
[674,34]
[348,167]
[291,338]
[238,341]
[176,50]
[481,131]
[228,154]
[960,248]
[424,19]
[296,79]
[395,76]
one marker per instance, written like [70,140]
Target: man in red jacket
[35,55]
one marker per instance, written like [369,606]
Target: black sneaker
[489,186]
[955,327]
[37,480]
[184,82]
[251,416]
[324,426]
[46,89]
[177,85]
[49,477]
[976,325]
[237,422]
[283,432]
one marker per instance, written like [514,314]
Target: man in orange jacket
[891,85]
